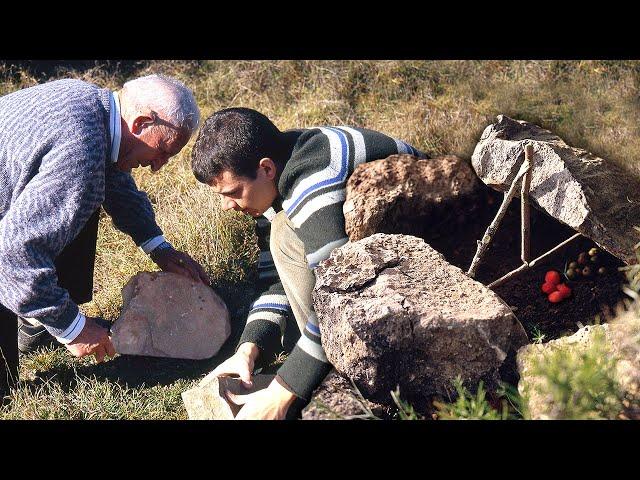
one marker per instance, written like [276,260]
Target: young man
[294,182]
[67,148]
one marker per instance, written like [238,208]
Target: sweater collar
[115,126]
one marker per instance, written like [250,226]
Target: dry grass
[439,106]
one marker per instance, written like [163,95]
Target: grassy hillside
[439,106]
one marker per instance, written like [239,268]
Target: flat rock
[392,311]
[168,315]
[589,194]
[402,194]
[207,401]
[336,399]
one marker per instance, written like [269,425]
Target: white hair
[168,97]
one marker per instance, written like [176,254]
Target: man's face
[152,147]
[246,195]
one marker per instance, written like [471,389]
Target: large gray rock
[402,193]
[583,191]
[168,315]
[393,312]
[208,401]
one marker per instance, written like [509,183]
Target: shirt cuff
[151,244]
[70,334]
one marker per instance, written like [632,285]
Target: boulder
[404,194]
[618,340]
[336,399]
[207,401]
[392,311]
[168,315]
[589,194]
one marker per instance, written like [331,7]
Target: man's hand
[93,340]
[172,260]
[271,403]
[241,364]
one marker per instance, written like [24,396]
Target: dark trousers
[74,267]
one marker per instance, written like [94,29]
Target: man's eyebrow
[227,192]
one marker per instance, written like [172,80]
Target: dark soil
[596,296]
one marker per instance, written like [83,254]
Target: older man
[67,147]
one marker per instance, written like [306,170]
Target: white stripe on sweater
[335,196]
[323,253]
[360,150]
[148,246]
[331,173]
[312,206]
[402,147]
[73,330]
[269,316]
[312,348]
[277,299]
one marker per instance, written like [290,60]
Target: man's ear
[140,122]
[269,168]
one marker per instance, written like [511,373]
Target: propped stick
[525,208]
[532,263]
[491,230]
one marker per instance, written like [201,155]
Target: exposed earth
[456,240]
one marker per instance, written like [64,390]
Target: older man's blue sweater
[55,172]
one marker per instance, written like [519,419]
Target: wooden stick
[491,230]
[533,263]
[525,208]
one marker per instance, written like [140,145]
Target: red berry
[555,297]
[552,277]
[548,287]
[564,290]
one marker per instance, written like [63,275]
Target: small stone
[208,401]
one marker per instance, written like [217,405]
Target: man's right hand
[241,363]
[93,340]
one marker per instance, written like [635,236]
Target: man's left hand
[270,403]
[172,260]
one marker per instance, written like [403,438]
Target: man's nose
[228,204]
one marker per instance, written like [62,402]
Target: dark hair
[234,139]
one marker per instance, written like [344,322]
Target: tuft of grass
[469,406]
[537,335]
[91,399]
[579,383]
[405,409]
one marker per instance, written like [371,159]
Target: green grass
[441,107]
[469,406]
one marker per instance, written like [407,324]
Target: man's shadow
[133,371]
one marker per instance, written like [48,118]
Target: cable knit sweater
[54,174]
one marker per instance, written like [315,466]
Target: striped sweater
[312,189]
[55,172]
